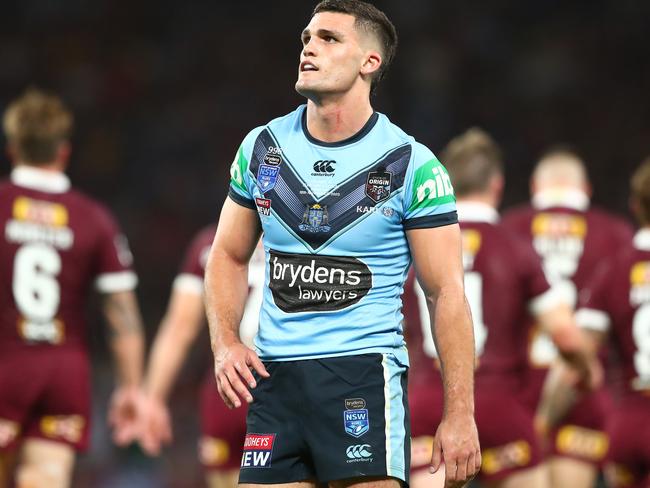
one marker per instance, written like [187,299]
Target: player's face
[332,56]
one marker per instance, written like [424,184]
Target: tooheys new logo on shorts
[313,283]
[258,450]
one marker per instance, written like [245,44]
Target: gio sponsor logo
[324,168]
[313,283]
[360,453]
[258,451]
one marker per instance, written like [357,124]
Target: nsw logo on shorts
[356,422]
[258,450]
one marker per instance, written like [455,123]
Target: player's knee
[45,474]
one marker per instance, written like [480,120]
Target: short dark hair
[640,184]
[36,124]
[472,158]
[372,20]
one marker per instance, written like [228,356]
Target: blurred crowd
[163,92]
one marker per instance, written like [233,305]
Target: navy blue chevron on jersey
[334,217]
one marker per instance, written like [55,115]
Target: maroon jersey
[571,240]
[503,282]
[618,301]
[56,244]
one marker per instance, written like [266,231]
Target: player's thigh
[572,472]
[422,478]
[367,482]
[222,478]
[508,440]
[536,477]
[45,464]
[582,436]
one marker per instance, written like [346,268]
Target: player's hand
[156,427]
[124,414]
[232,368]
[456,445]
[593,377]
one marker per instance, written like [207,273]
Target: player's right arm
[178,330]
[226,290]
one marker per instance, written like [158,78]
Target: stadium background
[163,92]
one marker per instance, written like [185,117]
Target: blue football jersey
[334,217]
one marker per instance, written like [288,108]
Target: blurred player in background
[56,245]
[572,238]
[504,284]
[616,305]
[223,430]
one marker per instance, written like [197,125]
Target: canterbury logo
[323,166]
[359,451]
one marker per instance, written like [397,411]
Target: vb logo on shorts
[355,417]
[258,450]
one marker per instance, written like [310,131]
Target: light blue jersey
[334,217]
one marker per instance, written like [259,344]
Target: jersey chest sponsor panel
[502,276]
[334,219]
[54,246]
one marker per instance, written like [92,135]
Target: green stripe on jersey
[237,171]
[431,186]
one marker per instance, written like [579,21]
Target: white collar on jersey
[561,197]
[40,179]
[472,211]
[642,239]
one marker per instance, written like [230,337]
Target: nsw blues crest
[315,219]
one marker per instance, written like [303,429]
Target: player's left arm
[438,263]
[126,338]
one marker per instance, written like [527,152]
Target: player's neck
[338,118]
[483,198]
[52,167]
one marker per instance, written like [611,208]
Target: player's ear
[371,63]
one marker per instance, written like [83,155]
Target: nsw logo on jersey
[313,283]
[267,177]
[258,451]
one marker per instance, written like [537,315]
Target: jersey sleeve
[190,276]
[241,179]
[593,312]
[429,199]
[114,268]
